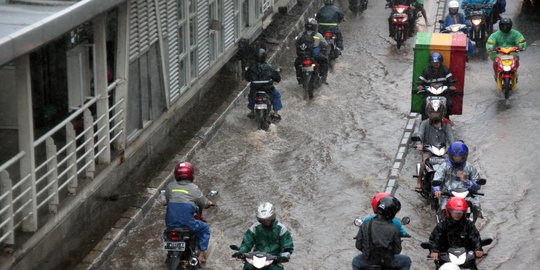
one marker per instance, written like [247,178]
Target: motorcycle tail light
[328,34]
[307,62]
[173,235]
[260,98]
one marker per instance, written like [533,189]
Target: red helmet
[456,204]
[184,171]
[377,198]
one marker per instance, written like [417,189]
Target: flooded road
[324,161]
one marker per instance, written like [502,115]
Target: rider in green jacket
[505,37]
[267,235]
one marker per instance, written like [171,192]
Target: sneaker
[251,115]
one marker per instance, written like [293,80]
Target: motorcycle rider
[262,71]
[455,231]
[456,17]
[329,18]
[457,173]
[184,199]
[436,72]
[267,235]
[505,37]
[413,4]
[434,131]
[379,239]
[311,43]
[374,202]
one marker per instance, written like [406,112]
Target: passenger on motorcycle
[456,17]
[262,71]
[455,231]
[436,72]
[457,173]
[184,199]
[379,239]
[434,131]
[498,6]
[267,235]
[396,221]
[329,18]
[505,37]
[311,43]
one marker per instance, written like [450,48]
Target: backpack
[378,255]
[305,43]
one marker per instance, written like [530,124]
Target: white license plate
[175,246]
[308,68]
[261,107]
[399,15]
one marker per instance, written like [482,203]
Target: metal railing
[63,155]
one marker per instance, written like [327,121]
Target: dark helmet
[184,171]
[261,55]
[435,109]
[435,57]
[311,25]
[375,200]
[328,2]
[388,207]
[458,149]
[505,25]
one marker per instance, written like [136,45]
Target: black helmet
[311,25]
[261,55]
[388,207]
[505,25]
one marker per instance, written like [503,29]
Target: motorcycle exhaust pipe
[193,261]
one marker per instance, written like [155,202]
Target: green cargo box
[453,48]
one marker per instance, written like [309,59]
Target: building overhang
[23,28]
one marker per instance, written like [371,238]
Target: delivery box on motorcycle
[453,48]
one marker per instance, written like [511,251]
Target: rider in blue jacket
[456,17]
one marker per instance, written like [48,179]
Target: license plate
[175,246]
[399,15]
[308,68]
[261,107]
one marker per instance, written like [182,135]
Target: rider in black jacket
[329,18]
[262,71]
[379,239]
[455,231]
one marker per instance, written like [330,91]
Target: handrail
[12,160]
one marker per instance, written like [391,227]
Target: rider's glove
[238,255]
[284,257]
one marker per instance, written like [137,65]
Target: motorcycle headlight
[462,195]
[455,28]
[458,260]
[476,21]
[507,68]
[439,151]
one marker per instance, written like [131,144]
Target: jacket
[183,199]
[434,136]
[460,19]
[384,234]
[329,15]
[446,175]
[462,233]
[402,231]
[501,39]
[319,45]
[440,75]
[274,240]
[262,72]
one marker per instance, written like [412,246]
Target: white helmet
[449,266]
[453,4]
[266,211]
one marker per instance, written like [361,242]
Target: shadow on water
[528,21]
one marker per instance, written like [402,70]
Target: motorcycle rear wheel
[262,123]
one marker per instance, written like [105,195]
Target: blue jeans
[400,262]
[276,100]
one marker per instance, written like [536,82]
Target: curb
[134,215]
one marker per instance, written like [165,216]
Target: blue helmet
[458,149]
[435,58]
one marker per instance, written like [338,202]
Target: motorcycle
[507,65]
[259,260]
[358,223]
[455,28]
[458,256]
[330,38]
[472,212]
[482,23]
[182,245]
[401,23]
[437,159]
[263,103]
[438,93]
[357,6]
[311,75]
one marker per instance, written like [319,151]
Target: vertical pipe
[53,176]
[89,147]
[71,151]
[122,64]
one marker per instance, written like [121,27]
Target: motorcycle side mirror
[278,69]
[212,193]
[405,220]
[358,221]
[436,183]
[425,245]
[415,138]
[481,181]
[486,241]
[234,247]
